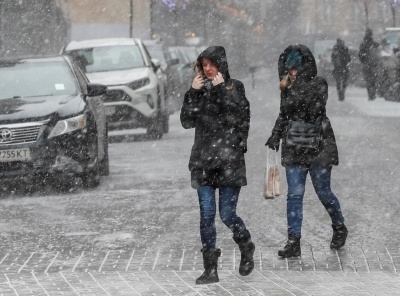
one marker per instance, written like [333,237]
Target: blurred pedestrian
[369,57]
[217,107]
[303,99]
[340,59]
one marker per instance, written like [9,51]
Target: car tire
[165,122]
[155,131]
[91,178]
[104,165]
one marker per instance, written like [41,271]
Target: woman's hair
[284,83]
[198,69]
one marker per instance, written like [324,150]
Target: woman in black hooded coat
[303,99]
[217,107]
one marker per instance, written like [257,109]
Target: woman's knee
[227,217]
[325,195]
[295,198]
[208,214]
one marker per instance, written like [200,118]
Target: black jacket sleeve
[318,106]
[191,107]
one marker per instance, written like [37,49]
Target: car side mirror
[95,89]
[173,62]
[156,64]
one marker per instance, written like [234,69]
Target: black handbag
[303,135]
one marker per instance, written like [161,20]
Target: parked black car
[52,123]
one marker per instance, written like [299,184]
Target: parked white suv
[135,96]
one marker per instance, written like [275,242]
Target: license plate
[110,110]
[15,155]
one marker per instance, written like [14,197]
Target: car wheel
[91,178]
[155,131]
[104,165]
[165,122]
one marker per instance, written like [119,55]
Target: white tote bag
[272,180]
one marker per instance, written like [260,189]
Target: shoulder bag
[303,135]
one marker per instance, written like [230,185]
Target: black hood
[307,70]
[218,56]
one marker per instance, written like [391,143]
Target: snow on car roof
[101,42]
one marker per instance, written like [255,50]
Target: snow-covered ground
[147,200]
[378,108]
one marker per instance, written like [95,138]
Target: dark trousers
[371,79]
[228,198]
[341,84]
[321,179]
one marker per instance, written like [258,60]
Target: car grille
[19,165]
[116,95]
[20,133]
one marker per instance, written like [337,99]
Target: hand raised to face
[198,82]
[218,79]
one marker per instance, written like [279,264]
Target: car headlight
[68,125]
[138,83]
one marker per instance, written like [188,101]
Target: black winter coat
[305,101]
[340,59]
[221,118]
[369,55]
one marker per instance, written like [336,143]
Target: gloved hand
[273,142]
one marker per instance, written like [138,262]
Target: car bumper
[60,157]
[126,108]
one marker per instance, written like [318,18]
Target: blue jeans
[228,198]
[321,180]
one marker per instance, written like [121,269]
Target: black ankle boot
[292,247]
[210,262]
[339,236]
[246,256]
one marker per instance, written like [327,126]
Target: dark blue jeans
[228,198]
[321,179]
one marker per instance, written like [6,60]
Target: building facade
[347,19]
[91,19]
[32,28]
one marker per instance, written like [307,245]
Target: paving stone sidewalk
[355,270]
[175,282]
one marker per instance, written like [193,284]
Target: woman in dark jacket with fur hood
[217,107]
[303,99]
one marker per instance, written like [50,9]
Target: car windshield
[156,52]
[108,58]
[393,37]
[35,79]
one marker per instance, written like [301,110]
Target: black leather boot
[339,236]
[292,247]
[210,262]
[246,255]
